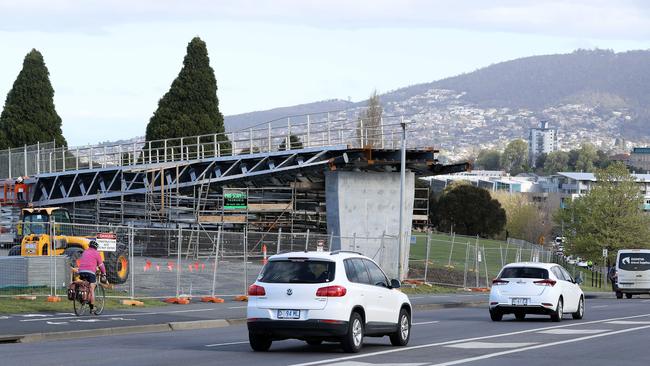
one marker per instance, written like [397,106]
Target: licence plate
[288,314]
[519,301]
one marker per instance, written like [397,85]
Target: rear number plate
[288,314]
[519,301]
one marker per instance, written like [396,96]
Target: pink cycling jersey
[90,260]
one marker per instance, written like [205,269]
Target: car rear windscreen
[634,261]
[297,271]
[524,272]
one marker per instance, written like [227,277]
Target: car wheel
[314,342]
[258,342]
[496,315]
[629,296]
[403,334]
[619,295]
[353,340]
[581,309]
[559,312]
[520,316]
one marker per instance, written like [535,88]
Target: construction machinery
[37,227]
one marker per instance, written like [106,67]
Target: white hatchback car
[326,296]
[535,288]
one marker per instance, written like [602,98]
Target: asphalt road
[18,324]
[613,332]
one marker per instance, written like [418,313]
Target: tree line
[514,159]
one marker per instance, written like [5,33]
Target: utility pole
[402,178]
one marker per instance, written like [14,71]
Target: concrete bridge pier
[363,215]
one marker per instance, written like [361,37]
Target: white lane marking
[4,317]
[573,331]
[354,363]
[237,307]
[429,345]
[488,345]
[122,319]
[87,320]
[628,322]
[64,313]
[423,323]
[645,301]
[128,314]
[543,345]
[599,306]
[56,323]
[225,344]
[34,316]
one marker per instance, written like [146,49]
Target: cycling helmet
[93,244]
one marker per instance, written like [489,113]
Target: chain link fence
[148,262]
[462,261]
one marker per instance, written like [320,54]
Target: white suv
[326,296]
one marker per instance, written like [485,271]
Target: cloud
[600,19]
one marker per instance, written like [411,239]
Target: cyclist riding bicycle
[88,263]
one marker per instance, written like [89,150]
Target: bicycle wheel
[100,299]
[79,305]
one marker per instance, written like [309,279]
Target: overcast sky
[111,60]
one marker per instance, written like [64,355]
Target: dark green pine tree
[191,106]
[29,115]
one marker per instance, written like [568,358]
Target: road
[613,332]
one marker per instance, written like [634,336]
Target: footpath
[24,328]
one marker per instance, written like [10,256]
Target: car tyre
[403,334]
[629,296]
[258,342]
[557,315]
[619,295]
[496,315]
[353,340]
[581,309]
[520,316]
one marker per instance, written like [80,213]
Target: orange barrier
[241,298]
[177,300]
[53,299]
[213,299]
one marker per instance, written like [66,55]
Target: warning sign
[107,242]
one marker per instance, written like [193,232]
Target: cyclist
[88,263]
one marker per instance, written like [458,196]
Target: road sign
[106,242]
[604,252]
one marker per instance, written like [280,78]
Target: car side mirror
[395,283]
[578,281]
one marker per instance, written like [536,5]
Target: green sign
[235,201]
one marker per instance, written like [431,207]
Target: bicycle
[81,301]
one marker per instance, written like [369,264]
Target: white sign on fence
[604,252]
[106,242]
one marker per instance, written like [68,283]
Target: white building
[541,140]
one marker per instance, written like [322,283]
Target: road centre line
[599,306]
[544,345]
[225,344]
[429,345]
[128,314]
[423,323]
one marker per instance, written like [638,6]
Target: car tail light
[331,291]
[255,290]
[545,283]
[499,282]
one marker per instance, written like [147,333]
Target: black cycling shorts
[90,277]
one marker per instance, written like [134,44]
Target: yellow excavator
[35,230]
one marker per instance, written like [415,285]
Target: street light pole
[402,178]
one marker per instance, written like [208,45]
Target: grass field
[11,305]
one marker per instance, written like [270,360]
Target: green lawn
[11,305]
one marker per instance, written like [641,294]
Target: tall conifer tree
[29,115]
[191,106]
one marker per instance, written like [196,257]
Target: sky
[110,61]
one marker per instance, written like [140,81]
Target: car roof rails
[344,251]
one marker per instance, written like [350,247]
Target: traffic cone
[264,261]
